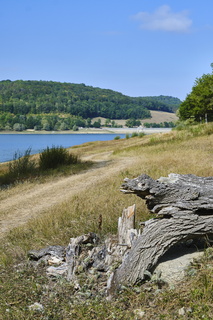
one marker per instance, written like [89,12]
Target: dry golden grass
[3,168]
[180,152]
[156,156]
[156,117]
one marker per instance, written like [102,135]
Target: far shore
[94,131]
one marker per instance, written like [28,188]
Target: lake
[11,143]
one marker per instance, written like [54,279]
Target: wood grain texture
[184,205]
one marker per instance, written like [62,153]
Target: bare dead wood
[73,252]
[167,196]
[184,205]
[126,227]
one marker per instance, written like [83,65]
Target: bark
[175,193]
[56,251]
[184,205]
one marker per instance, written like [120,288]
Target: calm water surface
[11,143]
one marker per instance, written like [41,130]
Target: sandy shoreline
[94,131]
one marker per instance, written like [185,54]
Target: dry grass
[156,156]
[156,117]
[179,152]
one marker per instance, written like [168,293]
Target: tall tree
[198,105]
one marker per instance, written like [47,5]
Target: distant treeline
[171,102]
[164,124]
[47,122]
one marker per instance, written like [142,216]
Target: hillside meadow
[156,117]
[97,192]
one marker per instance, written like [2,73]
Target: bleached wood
[184,204]
[126,226]
[73,252]
[158,236]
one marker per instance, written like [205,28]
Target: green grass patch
[23,285]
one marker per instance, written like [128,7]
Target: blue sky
[136,47]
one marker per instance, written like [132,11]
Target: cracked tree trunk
[184,208]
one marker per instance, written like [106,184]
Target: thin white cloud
[164,19]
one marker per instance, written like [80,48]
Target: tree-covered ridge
[44,97]
[171,102]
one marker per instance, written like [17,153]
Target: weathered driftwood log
[184,204]
[168,196]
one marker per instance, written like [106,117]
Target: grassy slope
[180,152]
[156,117]
[159,116]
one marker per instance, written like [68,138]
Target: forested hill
[172,102]
[43,97]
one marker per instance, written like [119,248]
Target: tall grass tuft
[117,138]
[134,134]
[51,158]
[22,164]
[21,168]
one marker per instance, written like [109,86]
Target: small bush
[134,134]
[21,168]
[141,134]
[75,128]
[22,165]
[127,136]
[180,126]
[117,138]
[51,158]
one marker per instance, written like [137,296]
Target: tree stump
[184,208]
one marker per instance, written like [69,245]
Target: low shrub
[141,134]
[52,158]
[134,134]
[117,138]
[22,167]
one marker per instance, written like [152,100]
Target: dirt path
[17,207]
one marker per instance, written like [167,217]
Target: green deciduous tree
[18,127]
[96,124]
[198,105]
[133,123]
